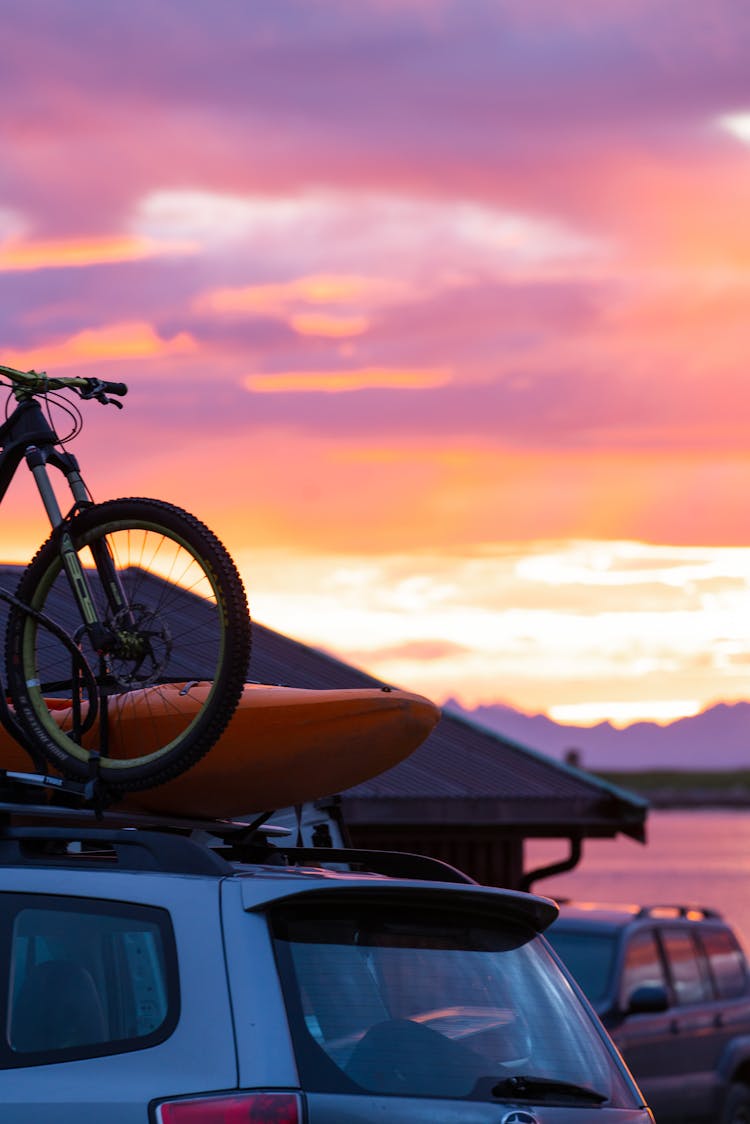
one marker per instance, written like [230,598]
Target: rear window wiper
[526,1087]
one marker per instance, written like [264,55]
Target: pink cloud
[115,342]
[536,198]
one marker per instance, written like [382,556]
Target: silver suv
[198,973]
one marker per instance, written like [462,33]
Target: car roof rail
[686,912]
[393,864]
[128,849]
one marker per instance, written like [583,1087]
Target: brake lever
[95,389]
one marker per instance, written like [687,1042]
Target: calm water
[695,857]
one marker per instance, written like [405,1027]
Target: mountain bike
[127,638]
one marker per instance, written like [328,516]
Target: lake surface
[697,857]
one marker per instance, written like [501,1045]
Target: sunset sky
[435,310]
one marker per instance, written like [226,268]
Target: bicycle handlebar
[96,388]
[38,382]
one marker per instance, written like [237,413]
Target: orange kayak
[283,745]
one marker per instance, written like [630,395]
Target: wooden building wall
[483,853]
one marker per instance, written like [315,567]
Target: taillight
[233,1108]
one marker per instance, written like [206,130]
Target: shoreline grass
[695,786]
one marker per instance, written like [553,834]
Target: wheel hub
[141,649]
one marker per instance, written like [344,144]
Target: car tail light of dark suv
[233,1108]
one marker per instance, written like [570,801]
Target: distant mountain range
[718,738]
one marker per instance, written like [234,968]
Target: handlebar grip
[119,388]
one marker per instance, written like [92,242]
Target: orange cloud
[78,252]
[336,306]
[364,378]
[335,327]
[317,289]
[131,340]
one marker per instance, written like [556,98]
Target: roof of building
[463,773]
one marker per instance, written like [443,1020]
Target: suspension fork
[111,584]
[38,459]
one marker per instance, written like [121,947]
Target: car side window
[642,965]
[686,967]
[726,962]
[85,978]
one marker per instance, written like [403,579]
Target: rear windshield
[589,955]
[394,1000]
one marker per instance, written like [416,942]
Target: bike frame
[27,435]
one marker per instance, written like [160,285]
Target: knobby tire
[187,621]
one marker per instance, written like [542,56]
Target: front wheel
[169,653]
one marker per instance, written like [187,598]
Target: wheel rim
[176,595]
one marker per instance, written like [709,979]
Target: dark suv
[209,973]
[671,984]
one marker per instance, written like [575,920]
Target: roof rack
[70,829]
[687,912]
[640,912]
[66,828]
[44,835]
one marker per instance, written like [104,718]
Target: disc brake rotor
[141,649]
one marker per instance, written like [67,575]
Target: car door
[106,1003]
[730,1009]
[648,1040]
[692,1022]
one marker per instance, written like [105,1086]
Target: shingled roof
[463,773]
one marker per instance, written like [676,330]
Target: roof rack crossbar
[14,783]
[11,810]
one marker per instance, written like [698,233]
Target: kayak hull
[283,746]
